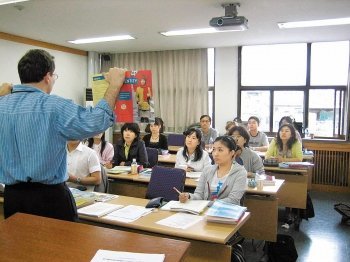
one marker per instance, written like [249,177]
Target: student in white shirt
[192,155]
[84,168]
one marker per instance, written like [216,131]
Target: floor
[321,238]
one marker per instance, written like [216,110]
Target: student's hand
[190,169]
[122,164]
[5,89]
[108,165]
[183,197]
[115,77]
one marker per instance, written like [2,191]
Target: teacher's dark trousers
[55,201]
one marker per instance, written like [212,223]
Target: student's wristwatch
[78,180]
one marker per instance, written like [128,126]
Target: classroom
[253,66]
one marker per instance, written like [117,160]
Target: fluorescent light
[101,39]
[312,23]
[198,31]
[6,2]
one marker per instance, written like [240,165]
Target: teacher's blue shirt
[35,127]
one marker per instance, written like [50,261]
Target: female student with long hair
[226,180]
[104,149]
[192,155]
[285,147]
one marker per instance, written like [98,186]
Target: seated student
[130,147]
[251,160]
[156,139]
[104,149]
[229,125]
[226,180]
[83,168]
[285,147]
[289,120]
[192,155]
[257,140]
[209,134]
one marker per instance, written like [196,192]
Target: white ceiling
[56,21]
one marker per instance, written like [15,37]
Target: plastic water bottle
[134,167]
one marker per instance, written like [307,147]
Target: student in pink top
[104,149]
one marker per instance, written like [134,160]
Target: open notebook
[191,206]
[98,209]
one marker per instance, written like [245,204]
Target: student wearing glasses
[209,134]
[226,180]
[251,160]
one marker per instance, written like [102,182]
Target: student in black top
[129,147]
[155,138]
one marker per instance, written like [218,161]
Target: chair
[176,139]
[162,181]
[152,154]
[104,185]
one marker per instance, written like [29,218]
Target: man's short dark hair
[34,65]
[205,116]
[255,118]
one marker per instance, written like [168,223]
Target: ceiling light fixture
[197,31]
[313,23]
[6,2]
[101,39]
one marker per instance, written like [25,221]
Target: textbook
[82,198]
[224,212]
[98,209]
[267,179]
[135,101]
[193,175]
[190,206]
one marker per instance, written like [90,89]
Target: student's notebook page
[129,213]
[191,206]
[98,209]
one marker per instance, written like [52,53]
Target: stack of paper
[98,209]
[102,197]
[119,170]
[191,206]
[193,175]
[107,255]
[267,179]
[224,212]
[82,198]
[295,165]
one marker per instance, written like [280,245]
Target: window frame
[341,89]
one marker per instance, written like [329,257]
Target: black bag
[237,254]
[309,211]
[283,250]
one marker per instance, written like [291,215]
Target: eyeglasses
[55,76]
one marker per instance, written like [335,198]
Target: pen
[177,190]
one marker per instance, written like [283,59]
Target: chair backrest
[162,181]
[104,185]
[176,139]
[152,154]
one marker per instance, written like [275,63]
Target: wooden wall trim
[28,41]
[329,146]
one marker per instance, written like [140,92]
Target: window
[305,81]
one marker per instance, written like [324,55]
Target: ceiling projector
[230,21]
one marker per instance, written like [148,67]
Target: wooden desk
[262,203]
[169,159]
[32,238]
[208,240]
[293,193]
[174,148]
[305,157]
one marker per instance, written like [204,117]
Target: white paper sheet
[180,220]
[129,213]
[117,256]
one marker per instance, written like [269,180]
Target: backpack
[283,250]
[237,254]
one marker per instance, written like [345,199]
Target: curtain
[179,83]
